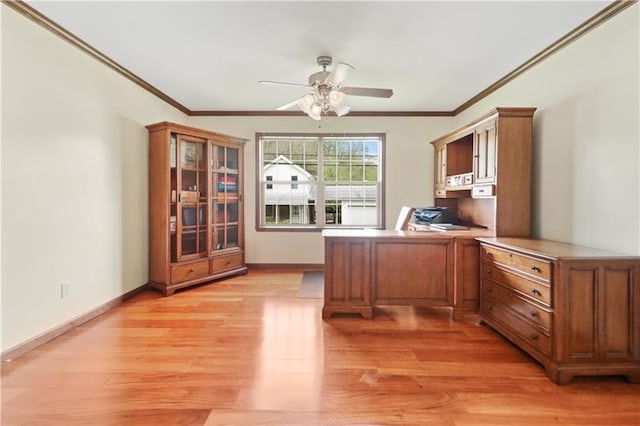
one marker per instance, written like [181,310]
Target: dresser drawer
[536,267]
[533,289]
[530,333]
[227,262]
[516,303]
[189,271]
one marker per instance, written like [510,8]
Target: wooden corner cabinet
[196,227]
[574,309]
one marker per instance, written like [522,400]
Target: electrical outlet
[65,286]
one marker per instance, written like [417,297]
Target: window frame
[317,227]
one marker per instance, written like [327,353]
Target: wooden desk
[364,268]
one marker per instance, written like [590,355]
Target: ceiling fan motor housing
[324,61]
[318,78]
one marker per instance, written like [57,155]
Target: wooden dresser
[574,309]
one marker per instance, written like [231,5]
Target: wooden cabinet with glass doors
[196,229]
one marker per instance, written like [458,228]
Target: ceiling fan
[326,91]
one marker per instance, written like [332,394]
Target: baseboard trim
[28,345]
[286,266]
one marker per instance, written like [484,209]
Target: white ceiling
[210,55]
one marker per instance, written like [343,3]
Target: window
[309,182]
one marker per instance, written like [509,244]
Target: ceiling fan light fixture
[342,110]
[305,103]
[327,92]
[336,98]
[315,111]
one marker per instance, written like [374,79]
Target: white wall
[586,171]
[74,180]
[409,172]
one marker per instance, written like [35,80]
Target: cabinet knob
[535,268]
[489,307]
[228,263]
[488,271]
[488,253]
[489,290]
[536,291]
[534,337]
[191,271]
[534,314]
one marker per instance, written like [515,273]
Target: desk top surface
[385,233]
[553,249]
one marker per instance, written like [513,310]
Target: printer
[429,215]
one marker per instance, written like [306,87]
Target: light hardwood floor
[247,351]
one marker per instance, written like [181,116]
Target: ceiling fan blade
[338,74]
[367,91]
[282,83]
[289,104]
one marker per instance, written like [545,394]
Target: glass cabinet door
[189,197]
[224,197]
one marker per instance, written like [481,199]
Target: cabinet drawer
[440,193]
[529,265]
[228,262]
[530,288]
[479,191]
[533,313]
[519,327]
[189,271]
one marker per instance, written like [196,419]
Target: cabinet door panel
[225,198]
[485,154]
[617,303]
[347,273]
[581,313]
[440,167]
[191,197]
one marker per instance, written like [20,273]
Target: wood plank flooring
[247,351]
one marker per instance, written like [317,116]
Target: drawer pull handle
[536,291]
[534,337]
[534,314]
[488,254]
[510,254]
[535,268]
[228,263]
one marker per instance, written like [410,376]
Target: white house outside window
[309,182]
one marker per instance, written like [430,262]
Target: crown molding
[604,15]
[302,114]
[599,18]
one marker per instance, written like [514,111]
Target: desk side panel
[417,272]
[347,278]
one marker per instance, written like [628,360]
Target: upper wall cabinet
[485,152]
[488,159]
[196,230]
